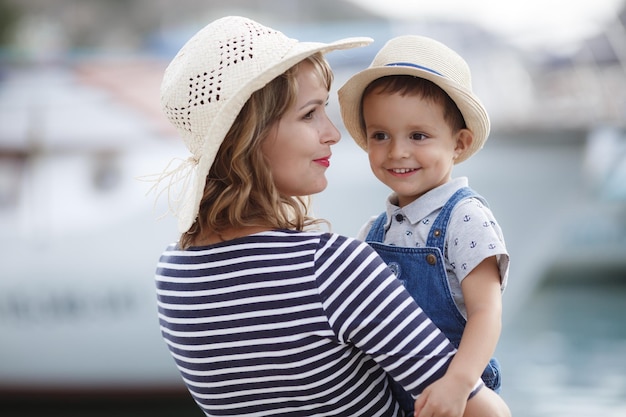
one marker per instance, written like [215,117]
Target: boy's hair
[239,188]
[420,87]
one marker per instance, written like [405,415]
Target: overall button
[431,259]
[437,233]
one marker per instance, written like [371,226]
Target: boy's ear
[464,139]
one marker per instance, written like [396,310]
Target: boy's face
[410,146]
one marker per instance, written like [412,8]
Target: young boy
[414,112]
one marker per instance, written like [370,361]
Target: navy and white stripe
[290,323]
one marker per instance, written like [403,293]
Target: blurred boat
[79,240]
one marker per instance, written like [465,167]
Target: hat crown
[426,54]
[198,84]
[425,58]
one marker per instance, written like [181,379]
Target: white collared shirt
[473,233]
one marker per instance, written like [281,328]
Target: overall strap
[377,231]
[437,235]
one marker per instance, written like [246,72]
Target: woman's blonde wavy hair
[239,189]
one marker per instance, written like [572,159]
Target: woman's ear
[464,139]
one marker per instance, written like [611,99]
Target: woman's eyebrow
[314,101]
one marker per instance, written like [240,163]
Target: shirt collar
[427,203]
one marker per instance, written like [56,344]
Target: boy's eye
[418,136]
[379,136]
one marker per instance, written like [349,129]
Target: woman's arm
[368,307]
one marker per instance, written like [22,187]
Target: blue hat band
[409,64]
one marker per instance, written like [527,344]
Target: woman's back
[268,324]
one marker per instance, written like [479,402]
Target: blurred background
[79,239]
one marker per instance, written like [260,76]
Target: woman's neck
[228,234]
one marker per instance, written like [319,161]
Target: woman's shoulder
[341,239]
[322,241]
[316,240]
[342,248]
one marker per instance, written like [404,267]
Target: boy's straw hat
[425,58]
[208,82]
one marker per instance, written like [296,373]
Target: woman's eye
[309,115]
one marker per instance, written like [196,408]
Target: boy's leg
[486,403]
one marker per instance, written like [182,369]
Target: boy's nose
[397,149]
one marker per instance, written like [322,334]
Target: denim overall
[422,272]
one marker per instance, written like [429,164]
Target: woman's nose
[330,134]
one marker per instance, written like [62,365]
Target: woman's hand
[445,397]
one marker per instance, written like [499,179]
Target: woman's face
[298,145]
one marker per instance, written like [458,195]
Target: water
[565,354]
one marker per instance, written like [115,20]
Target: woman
[262,315]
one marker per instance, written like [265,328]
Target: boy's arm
[481,290]
[483,303]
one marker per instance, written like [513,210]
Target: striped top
[287,323]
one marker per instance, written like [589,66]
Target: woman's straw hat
[208,82]
[425,58]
